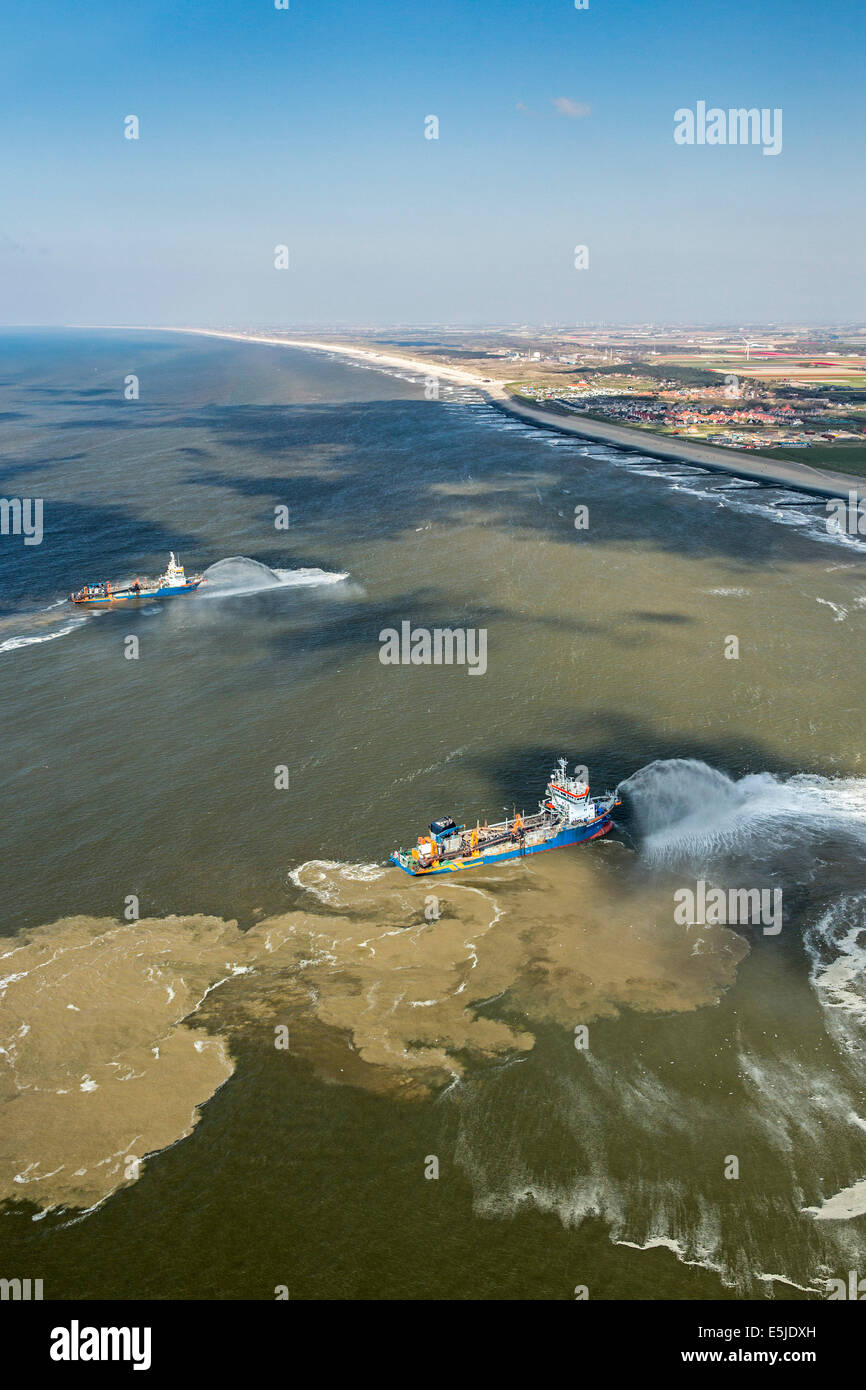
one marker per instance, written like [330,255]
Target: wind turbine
[749,346]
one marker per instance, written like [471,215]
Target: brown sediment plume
[113,1035]
[97,1073]
[559,940]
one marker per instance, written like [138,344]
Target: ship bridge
[569,796]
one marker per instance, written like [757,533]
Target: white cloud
[566,107]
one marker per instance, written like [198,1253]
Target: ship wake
[238,575]
[683,813]
[42,625]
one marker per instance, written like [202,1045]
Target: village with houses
[795,392]
[738,414]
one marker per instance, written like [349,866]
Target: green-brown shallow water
[414,1035]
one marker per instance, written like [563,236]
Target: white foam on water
[788,1104]
[836,946]
[725,490]
[30,639]
[815,526]
[842,1206]
[237,574]
[840,613]
[676,1249]
[324,877]
[682,808]
[13,644]
[699,492]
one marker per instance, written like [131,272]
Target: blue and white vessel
[567,816]
[104,595]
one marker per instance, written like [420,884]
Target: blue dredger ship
[104,595]
[567,816]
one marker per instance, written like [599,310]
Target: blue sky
[306,128]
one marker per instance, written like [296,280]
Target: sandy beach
[377,359]
[772,472]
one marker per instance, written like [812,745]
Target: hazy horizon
[394,326]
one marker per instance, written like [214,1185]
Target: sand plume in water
[113,1034]
[98,1068]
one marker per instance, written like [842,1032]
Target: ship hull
[572,835]
[125,596]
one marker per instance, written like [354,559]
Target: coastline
[772,472]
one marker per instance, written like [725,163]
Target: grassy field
[770,371]
[839,458]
